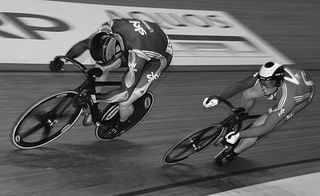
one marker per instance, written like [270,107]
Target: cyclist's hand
[210,102]
[232,137]
[56,65]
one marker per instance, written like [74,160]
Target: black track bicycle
[199,140]
[52,116]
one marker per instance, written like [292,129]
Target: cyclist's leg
[102,78]
[294,111]
[126,108]
[87,121]
[151,72]
[228,154]
[246,143]
[248,100]
[250,95]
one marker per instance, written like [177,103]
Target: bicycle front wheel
[192,144]
[46,120]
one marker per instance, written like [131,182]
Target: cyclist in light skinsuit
[138,45]
[291,89]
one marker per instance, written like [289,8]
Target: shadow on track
[73,155]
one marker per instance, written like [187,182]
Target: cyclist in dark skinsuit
[292,89]
[139,45]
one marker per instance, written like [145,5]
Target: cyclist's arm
[274,117]
[78,49]
[83,45]
[237,87]
[136,62]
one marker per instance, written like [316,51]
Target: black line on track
[199,180]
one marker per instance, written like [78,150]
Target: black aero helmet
[273,72]
[105,48]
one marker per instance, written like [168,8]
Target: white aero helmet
[271,74]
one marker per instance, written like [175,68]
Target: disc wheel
[46,120]
[106,130]
[193,143]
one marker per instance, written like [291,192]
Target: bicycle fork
[219,141]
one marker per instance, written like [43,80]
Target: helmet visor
[268,83]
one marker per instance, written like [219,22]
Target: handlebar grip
[80,66]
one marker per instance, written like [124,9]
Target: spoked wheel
[46,120]
[192,144]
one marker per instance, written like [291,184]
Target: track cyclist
[140,46]
[290,88]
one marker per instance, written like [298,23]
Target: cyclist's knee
[121,97]
[124,104]
[128,102]
[125,111]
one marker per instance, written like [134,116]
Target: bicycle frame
[236,118]
[50,117]
[201,139]
[90,84]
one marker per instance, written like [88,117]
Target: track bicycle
[52,116]
[197,141]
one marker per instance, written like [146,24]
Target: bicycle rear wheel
[193,143]
[46,120]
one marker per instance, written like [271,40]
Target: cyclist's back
[295,93]
[142,36]
[298,83]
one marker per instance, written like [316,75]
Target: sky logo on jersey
[137,27]
[198,37]
[132,66]
[152,76]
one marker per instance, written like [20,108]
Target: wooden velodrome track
[79,164]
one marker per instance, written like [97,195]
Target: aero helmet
[105,48]
[271,74]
